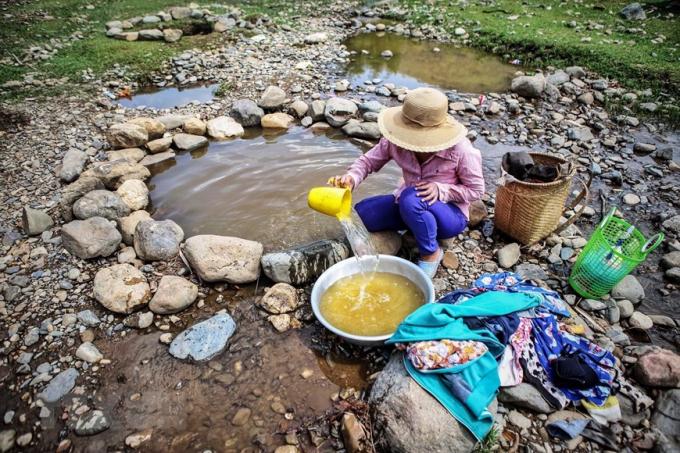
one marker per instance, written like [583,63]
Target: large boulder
[204,340]
[172,34]
[273,98]
[100,203]
[35,221]
[115,173]
[367,130]
[246,112]
[173,295]
[173,121]
[180,12]
[304,263]
[129,223]
[407,419]
[154,128]
[338,111]
[633,11]
[224,127]
[134,194]
[658,368]
[629,288]
[90,238]
[528,86]
[278,120]
[188,142]
[193,126]
[386,242]
[75,190]
[224,258]
[127,135]
[317,109]
[157,240]
[151,34]
[121,288]
[72,164]
[526,396]
[130,154]
[667,418]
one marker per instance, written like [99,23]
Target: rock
[180,12]
[188,142]
[90,238]
[130,154]
[407,419]
[629,415]
[160,145]
[673,275]
[127,135]
[194,126]
[478,212]
[88,318]
[658,368]
[526,396]
[154,128]
[100,203]
[640,320]
[154,159]
[173,295]
[137,439]
[172,34]
[353,434]
[35,222]
[241,417]
[586,98]
[273,98]
[139,320]
[246,112]
[224,258]
[386,54]
[631,199]
[341,86]
[630,289]
[338,111]
[300,108]
[121,288]
[7,439]
[173,121]
[91,423]
[459,31]
[644,148]
[668,261]
[59,386]
[304,263]
[633,11]
[666,418]
[280,322]
[386,242]
[224,127]
[204,340]
[528,86]
[316,110]
[557,78]
[151,34]
[508,255]
[134,194]
[662,320]
[664,153]
[280,298]
[519,420]
[24,439]
[626,308]
[72,164]
[672,224]
[576,71]
[593,305]
[450,260]
[316,38]
[128,225]
[113,174]
[356,128]
[278,120]
[156,240]
[580,134]
[89,353]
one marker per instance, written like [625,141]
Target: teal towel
[478,379]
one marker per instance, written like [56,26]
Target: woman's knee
[409,201]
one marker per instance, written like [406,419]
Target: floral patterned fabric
[432,355]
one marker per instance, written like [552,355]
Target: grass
[565,33]
[38,22]
[489,442]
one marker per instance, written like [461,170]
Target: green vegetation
[223,89]
[563,33]
[489,442]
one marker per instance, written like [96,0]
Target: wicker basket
[529,212]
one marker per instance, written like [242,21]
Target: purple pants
[427,222]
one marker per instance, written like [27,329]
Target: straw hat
[422,124]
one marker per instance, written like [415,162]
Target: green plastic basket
[612,252]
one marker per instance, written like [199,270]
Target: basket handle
[651,244]
[606,218]
[582,195]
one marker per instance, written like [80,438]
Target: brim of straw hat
[414,137]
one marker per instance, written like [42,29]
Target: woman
[442,174]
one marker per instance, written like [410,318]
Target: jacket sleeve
[372,161]
[470,185]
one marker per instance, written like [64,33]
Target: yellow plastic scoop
[332,201]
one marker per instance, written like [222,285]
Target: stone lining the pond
[158,26]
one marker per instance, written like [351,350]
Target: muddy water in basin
[415,63]
[167,98]
[256,187]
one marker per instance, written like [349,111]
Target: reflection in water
[167,98]
[256,188]
[416,64]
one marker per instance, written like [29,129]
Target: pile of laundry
[503,331]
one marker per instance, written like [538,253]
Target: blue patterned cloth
[550,343]
[510,282]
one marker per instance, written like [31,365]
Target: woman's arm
[370,162]
[470,185]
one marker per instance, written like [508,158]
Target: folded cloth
[567,429]
[430,355]
[609,412]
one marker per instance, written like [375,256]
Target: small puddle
[171,97]
[256,187]
[415,63]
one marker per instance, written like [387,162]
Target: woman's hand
[428,192]
[342,181]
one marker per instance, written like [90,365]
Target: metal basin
[351,266]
